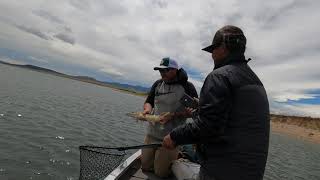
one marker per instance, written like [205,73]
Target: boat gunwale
[124,166]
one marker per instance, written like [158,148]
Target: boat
[130,169]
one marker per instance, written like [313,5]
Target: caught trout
[148,117]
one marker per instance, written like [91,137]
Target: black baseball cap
[230,35]
[216,42]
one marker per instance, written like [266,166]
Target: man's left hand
[168,143]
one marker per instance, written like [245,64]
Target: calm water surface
[44,118]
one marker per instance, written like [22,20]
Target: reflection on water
[43,120]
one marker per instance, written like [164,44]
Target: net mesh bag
[98,162]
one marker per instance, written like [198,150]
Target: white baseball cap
[167,62]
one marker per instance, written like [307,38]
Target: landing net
[98,162]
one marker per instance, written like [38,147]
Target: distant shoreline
[114,86]
[305,128]
[297,132]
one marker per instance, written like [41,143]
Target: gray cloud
[48,16]
[66,38]
[67,29]
[33,31]
[272,16]
[99,8]
[158,3]
[80,4]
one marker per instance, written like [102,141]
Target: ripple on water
[60,137]
[292,159]
[59,162]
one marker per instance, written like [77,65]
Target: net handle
[139,147]
[126,147]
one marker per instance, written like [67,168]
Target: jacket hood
[182,76]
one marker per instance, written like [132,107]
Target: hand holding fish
[165,117]
[147,117]
[147,109]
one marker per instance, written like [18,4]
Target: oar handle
[139,147]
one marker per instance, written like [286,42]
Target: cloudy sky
[122,40]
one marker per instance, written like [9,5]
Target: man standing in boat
[232,129]
[164,97]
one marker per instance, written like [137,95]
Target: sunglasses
[165,70]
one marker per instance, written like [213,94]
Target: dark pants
[203,176]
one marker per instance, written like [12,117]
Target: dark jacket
[232,129]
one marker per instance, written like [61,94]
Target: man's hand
[147,108]
[189,111]
[168,143]
[196,99]
[165,117]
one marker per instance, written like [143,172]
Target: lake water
[44,118]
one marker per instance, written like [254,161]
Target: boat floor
[135,173]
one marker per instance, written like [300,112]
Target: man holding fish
[163,101]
